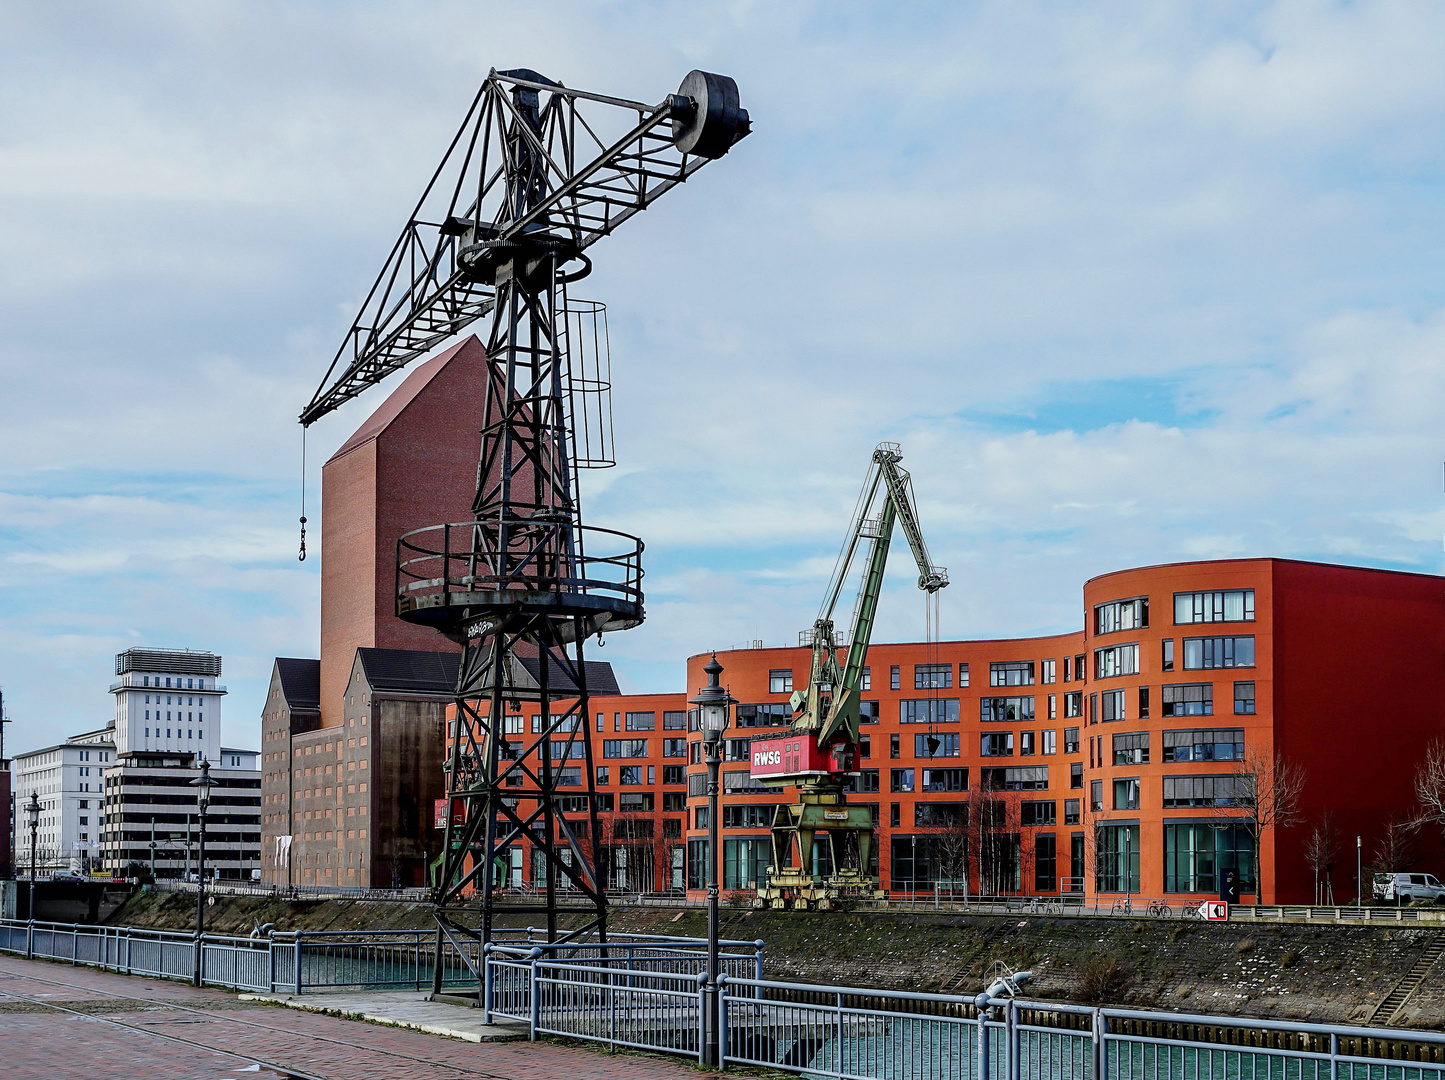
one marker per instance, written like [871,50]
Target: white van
[1408,887]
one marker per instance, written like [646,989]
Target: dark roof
[601,682]
[300,683]
[406,670]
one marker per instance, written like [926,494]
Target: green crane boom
[828,707]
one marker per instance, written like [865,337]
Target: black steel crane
[537,173]
[821,749]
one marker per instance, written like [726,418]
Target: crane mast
[821,747]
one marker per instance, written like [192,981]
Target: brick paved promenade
[41,1042]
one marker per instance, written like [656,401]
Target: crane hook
[600,643]
[302,557]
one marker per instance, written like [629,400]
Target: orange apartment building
[1093,762]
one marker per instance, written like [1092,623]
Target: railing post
[722,1022]
[271,962]
[1334,1056]
[297,939]
[1011,1043]
[1101,1052]
[702,1019]
[416,958]
[30,938]
[199,959]
[981,1003]
[536,1000]
[487,983]
[758,959]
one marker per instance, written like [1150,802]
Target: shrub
[1103,979]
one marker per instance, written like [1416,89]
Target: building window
[1132,749]
[1045,863]
[1198,791]
[997,744]
[893,750]
[1016,778]
[963,675]
[697,861]
[995,709]
[1116,849]
[1074,704]
[1116,660]
[867,683]
[1011,673]
[674,774]
[1126,794]
[1066,669]
[1096,796]
[737,749]
[893,677]
[1071,811]
[932,677]
[942,780]
[1229,605]
[1209,744]
[739,781]
[893,815]
[1197,856]
[641,721]
[1143,703]
[754,816]
[1187,699]
[1048,670]
[1244,699]
[780,682]
[674,721]
[746,862]
[928,711]
[1167,662]
[943,744]
[674,748]
[1043,812]
[630,775]
[1049,740]
[1026,744]
[900,780]
[1119,615]
[1202,654]
[868,712]
[1112,704]
[938,815]
[1076,775]
[1053,707]
[769,714]
[624,748]
[865,746]
[865,781]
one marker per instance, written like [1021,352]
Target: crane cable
[931,646]
[302,556]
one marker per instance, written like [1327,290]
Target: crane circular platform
[446,578]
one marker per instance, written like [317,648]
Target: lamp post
[203,785]
[712,703]
[1359,876]
[32,815]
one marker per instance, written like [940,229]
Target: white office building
[168,701]
[68,779]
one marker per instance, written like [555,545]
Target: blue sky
[1130,283]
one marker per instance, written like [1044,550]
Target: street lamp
[203,785]
[32,815]
[712,703]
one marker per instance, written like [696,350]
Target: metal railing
[289,892]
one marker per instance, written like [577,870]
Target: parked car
[1408,887]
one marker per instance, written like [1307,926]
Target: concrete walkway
[407,1009]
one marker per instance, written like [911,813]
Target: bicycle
[1122,907]
[1160,910]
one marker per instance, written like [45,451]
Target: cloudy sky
[1131,283]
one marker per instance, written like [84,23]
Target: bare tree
[1322,848]
[1267,789]
[1395,849]
[1430,786]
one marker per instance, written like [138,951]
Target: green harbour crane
[820,751]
